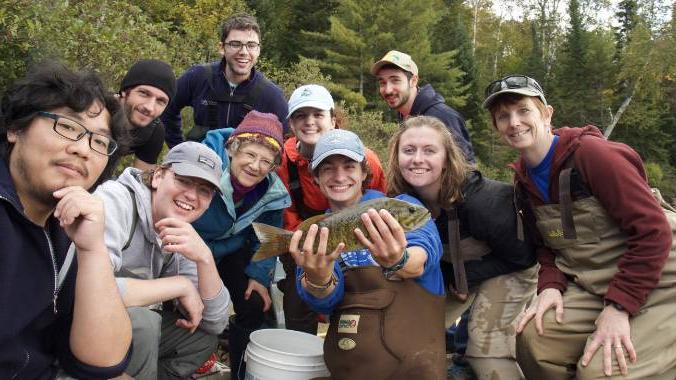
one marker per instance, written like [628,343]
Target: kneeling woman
[250,192]
[607,282]
[386,301]
[485,259]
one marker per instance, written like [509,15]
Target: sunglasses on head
[513,82]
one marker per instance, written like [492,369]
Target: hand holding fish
[387,240]
[318,265]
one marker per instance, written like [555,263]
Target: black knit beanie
[151,72]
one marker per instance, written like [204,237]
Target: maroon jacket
[615,175]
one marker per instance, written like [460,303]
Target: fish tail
[274,241]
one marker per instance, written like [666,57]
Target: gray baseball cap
[192,159]
[338,141]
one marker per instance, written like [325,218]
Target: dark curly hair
[48,86]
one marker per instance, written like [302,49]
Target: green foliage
[655,173]
[373,132]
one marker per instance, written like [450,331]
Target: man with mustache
[221,93]
[60,311]
[145,92]
[397,76]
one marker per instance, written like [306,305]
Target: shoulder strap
[134,218]
[566,199]
[296,192]
[255,92]
[456,254]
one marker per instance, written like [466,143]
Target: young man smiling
[397,76]
[158,256]
[59,136]
[145,93]
[221,93]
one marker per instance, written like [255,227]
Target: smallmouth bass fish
[275,241]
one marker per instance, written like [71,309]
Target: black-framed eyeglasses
[513,81]
[237,45]
[74,131]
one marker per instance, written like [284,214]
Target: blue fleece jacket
[192,90]
[224,231]
[426,237]
[35,320]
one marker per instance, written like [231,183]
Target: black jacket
[487,214]
[429,103]
[34,323]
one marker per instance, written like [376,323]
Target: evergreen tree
[577,92]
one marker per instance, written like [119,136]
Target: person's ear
[12,136]
[157,178]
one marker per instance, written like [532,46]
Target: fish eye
[411,210]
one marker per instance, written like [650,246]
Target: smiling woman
[621,263]
[250,192]
[484,260]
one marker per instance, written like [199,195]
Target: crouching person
[385,301]
[158,257]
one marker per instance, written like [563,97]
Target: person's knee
[495,368]
[146,327]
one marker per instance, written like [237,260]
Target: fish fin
[274,241]
[314,220]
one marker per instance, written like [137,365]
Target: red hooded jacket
[615,175]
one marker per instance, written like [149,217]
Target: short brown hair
[511,98]
[453,175]
[239,21]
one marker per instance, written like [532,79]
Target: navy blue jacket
[193,90]
[33,332]
[429,103]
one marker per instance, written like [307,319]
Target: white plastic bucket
[278,354]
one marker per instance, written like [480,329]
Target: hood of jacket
[425,99]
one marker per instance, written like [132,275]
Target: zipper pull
[55,297]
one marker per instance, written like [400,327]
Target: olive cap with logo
[397,58]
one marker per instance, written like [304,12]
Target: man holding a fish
[373,265]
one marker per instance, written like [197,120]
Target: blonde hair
[454,172]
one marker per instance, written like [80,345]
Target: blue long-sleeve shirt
[426,237]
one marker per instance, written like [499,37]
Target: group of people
[570,272]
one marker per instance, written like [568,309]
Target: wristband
[398,265]
[332,281]
[614,304]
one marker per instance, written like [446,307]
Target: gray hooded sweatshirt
[144,259]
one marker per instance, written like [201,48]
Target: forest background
[607,63]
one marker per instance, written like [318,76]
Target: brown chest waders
[385,329]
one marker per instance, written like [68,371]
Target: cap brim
[194,171]
[343,152]
[376,66]
[309,103]
[520,91]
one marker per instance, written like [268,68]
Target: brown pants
[556,355]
